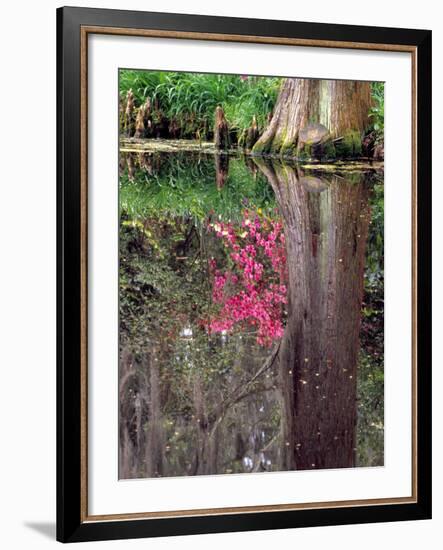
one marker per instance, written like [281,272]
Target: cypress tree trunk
[341,106]
[326,227]
[296,105]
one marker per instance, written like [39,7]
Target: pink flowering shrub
[253,290]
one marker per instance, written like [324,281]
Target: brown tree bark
[341,106]
[221,130]
[140,123]
[249,136]
[326,225]
[129,117]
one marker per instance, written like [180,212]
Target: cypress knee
[251,134]
[129,122]
[221,130]
[140,124]
[147,119]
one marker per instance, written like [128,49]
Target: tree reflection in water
[240,309]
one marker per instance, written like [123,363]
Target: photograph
[218,264]
[250,274]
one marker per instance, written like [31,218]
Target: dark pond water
[225,263]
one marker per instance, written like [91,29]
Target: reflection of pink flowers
[254,289]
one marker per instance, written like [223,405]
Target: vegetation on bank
[174,105]
[183,105]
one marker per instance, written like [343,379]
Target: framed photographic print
[244,274]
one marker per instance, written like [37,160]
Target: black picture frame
[72,526]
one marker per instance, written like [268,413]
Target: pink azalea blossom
[254,290]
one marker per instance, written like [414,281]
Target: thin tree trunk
[155,443]
[126,449]
[325,234]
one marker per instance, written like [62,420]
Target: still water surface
[205,300]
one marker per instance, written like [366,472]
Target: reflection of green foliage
[375,246]
[158,300]
[183,188]
[154,291]
[191,98]
[370,426]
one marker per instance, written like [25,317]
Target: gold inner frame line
[84,32]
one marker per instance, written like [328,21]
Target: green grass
[187,101]
[190,99]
